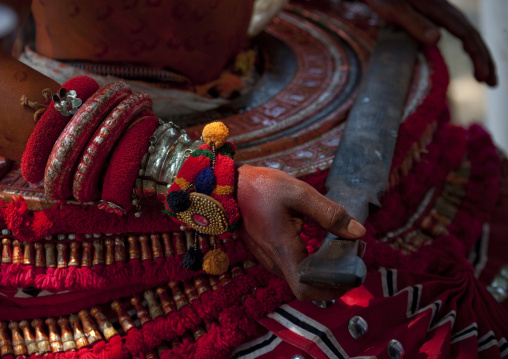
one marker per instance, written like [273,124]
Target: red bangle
[48,128]
[72,141]
[124,165]
[85,185]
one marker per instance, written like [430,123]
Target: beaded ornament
[202,197]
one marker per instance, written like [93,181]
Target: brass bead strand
[109,257]
[28,256]
[166,302]
[40,261]
[237,271]
[124,319]
[120,250]
[190,291]
[18,343]
[74,255]
[204,243]
[141,312]
[162,348]
[198,332]
[89,328]
[55,342]
[133,248]
[67,337]
[168,245]
[6,251]
[61,257]
[98,253]
[178,296]
[50,255]
[17,254]
[30,343]
[248,264]
[214,281]
[5,341]
[152,354]
[179,242]
[202,284]
[105,325]
[225,278]
[86,258]
[41,338]
[157,250]
[145,250]
[154,308]
[79,335]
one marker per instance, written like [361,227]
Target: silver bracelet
[173,164]
[158,153]
[169,147]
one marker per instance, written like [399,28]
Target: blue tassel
[205,181]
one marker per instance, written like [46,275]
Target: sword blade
[361,168]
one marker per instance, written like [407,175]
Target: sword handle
[336,264]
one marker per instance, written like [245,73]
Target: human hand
[273,205]
[422,20]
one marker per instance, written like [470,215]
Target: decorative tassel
[178,201]
[205,181]
[215,134]
[193,259]
[215,262]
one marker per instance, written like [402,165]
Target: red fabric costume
[426,248]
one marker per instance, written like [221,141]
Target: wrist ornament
[50,126]
[202,195]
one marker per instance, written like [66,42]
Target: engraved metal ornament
[357,326]
[67,102]
[205,215]
[323,303]
[110,207]
[499,288]
[395,349]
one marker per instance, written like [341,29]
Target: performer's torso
[195,37]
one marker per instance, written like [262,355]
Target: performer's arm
[16,121]
[17,79]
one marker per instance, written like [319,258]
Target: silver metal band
[157,158]
[169,147]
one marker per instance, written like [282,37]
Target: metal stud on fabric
[357,326]
[395,349]
[323,303]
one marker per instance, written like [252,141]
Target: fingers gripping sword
[361,167]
